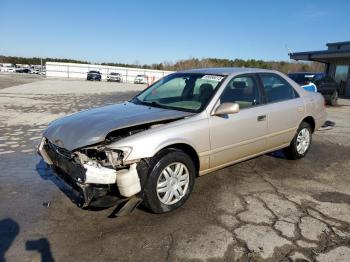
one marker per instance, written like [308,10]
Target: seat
[205,91]
[235,92]
[239,84]
[239,93]
[278,93]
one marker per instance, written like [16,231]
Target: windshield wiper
[153,103]
[157,104]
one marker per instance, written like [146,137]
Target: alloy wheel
[303,140]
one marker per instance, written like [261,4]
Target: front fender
[194,133]
[150,147]
[171,142]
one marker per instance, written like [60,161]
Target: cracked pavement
[264,209]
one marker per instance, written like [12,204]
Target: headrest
[206,88]
[239,84]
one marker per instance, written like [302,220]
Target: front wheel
[301,142]
[170,182]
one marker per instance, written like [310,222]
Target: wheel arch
[188,149]
[311,121]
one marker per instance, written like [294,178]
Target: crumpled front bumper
[94,186]
[73,174]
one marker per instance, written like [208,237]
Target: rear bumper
[140,82]
[114,79]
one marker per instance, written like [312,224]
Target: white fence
[72,70]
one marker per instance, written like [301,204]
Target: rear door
[240,135]
[285,109]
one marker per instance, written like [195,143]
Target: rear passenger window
[276,88]
[242,90]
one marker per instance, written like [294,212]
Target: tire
[154,200]
[304,133]
[333,100]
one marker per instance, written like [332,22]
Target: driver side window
[242,90]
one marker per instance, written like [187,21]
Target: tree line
[282,66]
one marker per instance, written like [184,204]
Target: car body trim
[209,170]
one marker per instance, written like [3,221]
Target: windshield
[181,91]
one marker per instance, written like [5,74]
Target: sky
[146,32]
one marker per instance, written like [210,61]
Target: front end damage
[81,148]
[98,174]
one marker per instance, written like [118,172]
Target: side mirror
[227,109]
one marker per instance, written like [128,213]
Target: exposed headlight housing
[117,155]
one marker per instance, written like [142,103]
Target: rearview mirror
[226,109]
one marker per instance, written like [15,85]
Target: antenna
[289,51]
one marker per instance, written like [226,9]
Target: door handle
[262,118]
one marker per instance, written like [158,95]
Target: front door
[240,135]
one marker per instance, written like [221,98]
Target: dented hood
[92,126]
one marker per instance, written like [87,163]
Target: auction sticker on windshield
[213,77]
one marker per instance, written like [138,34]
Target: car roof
[307,73]
[226,70]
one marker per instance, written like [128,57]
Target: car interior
[243,91]
[190,92]
[276,89]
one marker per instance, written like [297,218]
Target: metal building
[336,58]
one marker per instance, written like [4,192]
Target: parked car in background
[187,124]
[115,77]
[8,69]
[324,84]
[141,79]
[94,75]
[35,71]
[23,70]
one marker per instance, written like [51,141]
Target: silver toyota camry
[190,123]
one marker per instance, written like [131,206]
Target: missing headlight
[104,156]
[115,157]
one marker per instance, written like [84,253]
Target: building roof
[320,56]
[339,43]
[324,56]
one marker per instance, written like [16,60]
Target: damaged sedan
[151,148]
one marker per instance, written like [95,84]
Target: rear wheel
[334,98]
[170,182]
[301,142]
